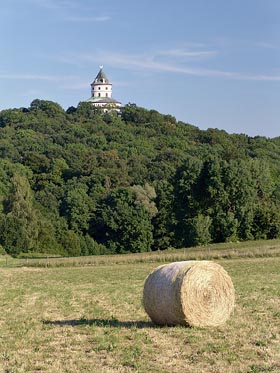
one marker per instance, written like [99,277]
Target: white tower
[101,93]
[101,87]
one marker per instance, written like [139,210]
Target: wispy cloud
[76,86]
[241,44]
[55,4]
[186,53]
[87,19]
[176,61]
[51,78]
[71,82]
[149,62]
[158,60]
[32,92]
[68,10]
[265,45]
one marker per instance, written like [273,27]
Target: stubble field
[91,319]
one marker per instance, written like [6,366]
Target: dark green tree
[76,206]
[122,224]
[20,226]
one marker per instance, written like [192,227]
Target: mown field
[91,319]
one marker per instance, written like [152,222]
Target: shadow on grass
[113,323]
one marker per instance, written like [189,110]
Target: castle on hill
[101,93]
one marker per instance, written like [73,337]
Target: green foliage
[2,251]
[201,230]
[76,206]
[164,221]
[82,182]
[145,196]
[123,224]
[51,109]
[20,222]
[231,193]
[71,242]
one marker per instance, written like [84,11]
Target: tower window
[98,94]
[106,94]
[98,87]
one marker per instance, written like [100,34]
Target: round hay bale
[194,293]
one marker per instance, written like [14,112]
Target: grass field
[228,250]
[91,319]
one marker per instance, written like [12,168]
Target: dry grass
[248,249]
[90,319]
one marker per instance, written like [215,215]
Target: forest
[81,182]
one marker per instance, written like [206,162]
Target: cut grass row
[249,249]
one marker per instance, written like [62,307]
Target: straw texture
[194,293]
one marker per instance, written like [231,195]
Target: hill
[79,182]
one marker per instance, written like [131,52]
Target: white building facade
[101,93]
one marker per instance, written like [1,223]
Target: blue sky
[209,63]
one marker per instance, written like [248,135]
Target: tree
[76,206]
[20,228]
[71,243]
[49,108]
[200,230]
[146,196]
[85,110]
[164,221]
[122,224]
[186,199]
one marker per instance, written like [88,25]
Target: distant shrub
[2,250]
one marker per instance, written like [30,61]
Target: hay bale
[194,293]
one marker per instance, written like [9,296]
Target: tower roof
[101,78]
[103,100]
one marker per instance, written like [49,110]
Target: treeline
[79,182]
